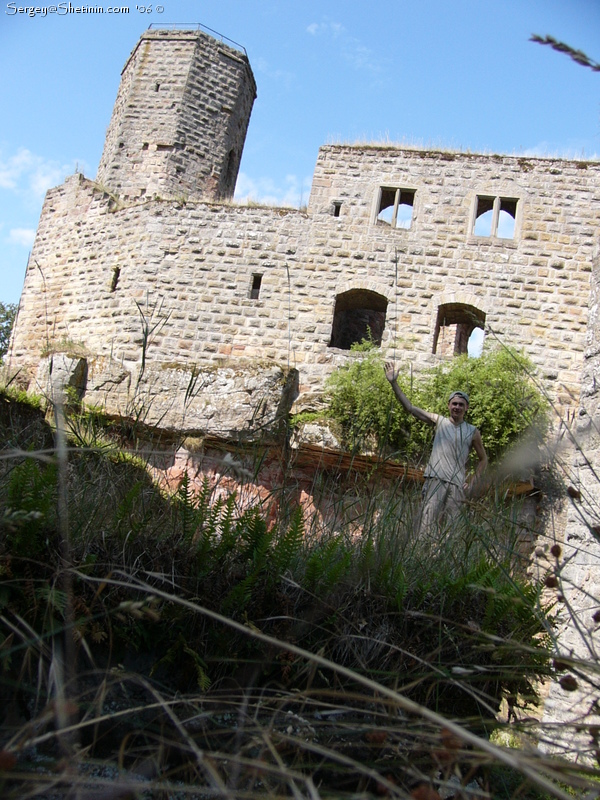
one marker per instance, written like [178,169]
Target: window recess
[115,279]
[359,315]
[255,286]
[455,325]
[395,207]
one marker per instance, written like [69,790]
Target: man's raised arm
[392,375]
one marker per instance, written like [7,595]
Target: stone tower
[180,119]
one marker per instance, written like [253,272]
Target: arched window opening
[475,344]
[359,314]
[484,214]
[495,217]
[395,207]
[455,330]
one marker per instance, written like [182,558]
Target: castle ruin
[150,288]
[152,263]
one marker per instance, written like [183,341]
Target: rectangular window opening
[337,207]
[255,288]
[385,211]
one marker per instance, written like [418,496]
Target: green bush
[504,402]
[361,400]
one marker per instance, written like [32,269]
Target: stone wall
[533,288]
[172,281]
[140,271]
[572,698]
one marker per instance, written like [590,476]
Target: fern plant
[288,544]
[31,506]
[328,564]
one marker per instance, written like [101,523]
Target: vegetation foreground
[174,647]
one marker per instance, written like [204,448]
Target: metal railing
[197,26]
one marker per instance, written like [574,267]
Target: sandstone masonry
[149,270]
[180,118]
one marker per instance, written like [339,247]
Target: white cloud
[335,29]
[22,236]
[351,49]
[261,66]
[31,175]
[475,343]
[13,168]
[582,151]
[293,193]
[45,176]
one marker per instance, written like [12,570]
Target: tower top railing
[197,26]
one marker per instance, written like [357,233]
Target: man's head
[458,404]
[464,396]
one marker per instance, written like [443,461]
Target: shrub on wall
[504,404]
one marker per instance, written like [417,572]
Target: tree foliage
[8,312]
[504,402]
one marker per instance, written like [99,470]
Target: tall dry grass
[184,646]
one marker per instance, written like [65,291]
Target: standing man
[445,483]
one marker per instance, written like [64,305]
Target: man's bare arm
[392,375]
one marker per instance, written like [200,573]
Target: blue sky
[459,74]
